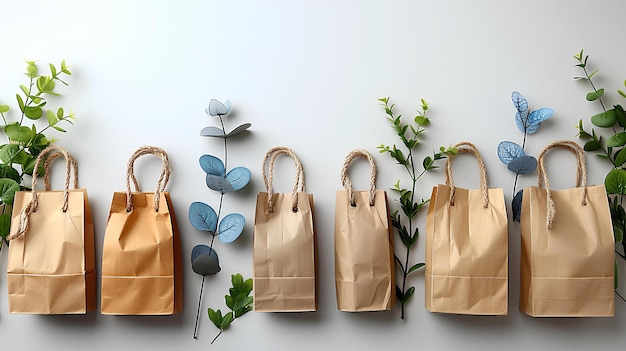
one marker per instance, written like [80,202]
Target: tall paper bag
[51,264]
[284,248]
[364,262]
[567,260]
[467,246]
[141,258]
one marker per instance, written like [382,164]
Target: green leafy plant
[24,141]
[612,150]
[403,220]
[238,301]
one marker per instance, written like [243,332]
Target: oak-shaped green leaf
[615,182]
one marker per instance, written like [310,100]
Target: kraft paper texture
[466,253]
[364,262]
[284,250]
[51,267]
[141,259]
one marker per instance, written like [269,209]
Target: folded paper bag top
[467,246]
[51,263]
[142,258]
[567,246]
[284,248]
[364,261]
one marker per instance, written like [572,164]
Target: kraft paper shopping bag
[284,252]
[141,258]
[51,264]
[364,262]
[467,246]
[567,259]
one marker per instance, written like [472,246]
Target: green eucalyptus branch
[403,220]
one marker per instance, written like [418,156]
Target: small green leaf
[621,93]
[408,294]
[33,112]
[31,69]
[60,112]
[620,158]
[20,102]
[215,317]
[4,108]
[593,73]
[53,70]
[604,119]
[5,225]
[226,320]
[595,95]
[616,140]
[52,118]
[8,188]
[620,115]
[415,267]
[618,232]
[615,182]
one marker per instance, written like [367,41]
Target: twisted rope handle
[470,148]
[161,182]
[345,181]
[269,176]
[47,156]
[581,175]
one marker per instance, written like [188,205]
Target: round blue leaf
[540,115]
[238,177]
[204,260]
[212,165]
[532,128]
[203,217]
[508,151]
[218,183]
[516,206]
[523,165]
[519,102]
[213,132]
[231,227]
[521,121]
[216,108]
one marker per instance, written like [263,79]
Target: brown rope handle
[46,166]
[46,156]
[470,148]
[161,182]
[345,181]
[268,176]
[581,175]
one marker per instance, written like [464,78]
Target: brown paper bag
[567,246]
[364,263]
[285,262]
[141,255]
[51,264]
[467,246]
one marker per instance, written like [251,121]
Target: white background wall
[307,74]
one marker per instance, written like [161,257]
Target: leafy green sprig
[25,142]
[238,301]
[403,220]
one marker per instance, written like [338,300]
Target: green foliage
[238,301]
[612,149]
[24,141]
[403,220]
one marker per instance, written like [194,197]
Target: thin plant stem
[195,329]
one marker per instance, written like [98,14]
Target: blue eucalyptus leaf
[242,128]
[238,177]
[532,128]
[213,132]
[212,165]
[521,121]
[203,217]
[523,165]
[216,108]
[204,260]
[231,227]
[219,183]
[540,115]
[516,206]
[508,151]
[519,102]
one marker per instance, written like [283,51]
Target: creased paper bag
[51,264]
[364,262]
[467,246]
[284,249]
[141,258]
[567,259]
